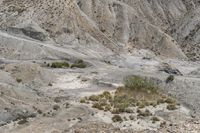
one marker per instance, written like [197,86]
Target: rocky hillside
[168,28]
[71,66]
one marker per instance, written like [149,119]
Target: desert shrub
[39,111]
[161,101]
[103,102]
[57,99]
[171,107]
[67,105]
[128,110]
[50,84]
[155,119]
[18,9]
[140,104]
[97,106]
[1,93]
[23,121]
[163,124]
[19,80]
[79,61]
[138,93]
[115,111]
[107,108]
[121,102]
[56,107]
[107,62]
[59,65]
[79,64]
[131,117]
[170,101]
[107,95]
[145,113]
[94,98]
[83,101]
[170,79]
[139,83]
[117,118]
[154,104]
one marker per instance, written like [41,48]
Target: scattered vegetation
[163,124]
[107,62]
[1,93]
[56,107]
[117,118]
[50,84]
[79,64]
[57,100]
[59,65]
[18,9]
[171,107]
[94,98]
[140,84]
[83,101]
[145,113]
[170,79]
[161,101]
[23,121]
[131,117]
[138,93]
[155,119]
[67,105]
[141,104]
[19,80]
[170,101]
[39,111]
[98,106]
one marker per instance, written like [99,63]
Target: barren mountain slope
[118,25]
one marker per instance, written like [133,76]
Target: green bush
[132,117]
[56,107]
[170,101]
[94,98]
[50,84]
[18,9]
[117,118]
[145,113]
[155,119]
[107,108]
[161,101]
[97,106]
[23,121]
[59,65]
[141,104]
[79,61]
[82,101]
[19,80]
[138,92]
[170,79]
[139,83]
[171,107]
[79,64]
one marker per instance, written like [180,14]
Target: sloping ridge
[118,25]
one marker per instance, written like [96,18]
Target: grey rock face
[163,26]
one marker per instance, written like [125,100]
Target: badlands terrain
[99,66]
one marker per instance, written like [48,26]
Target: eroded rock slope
[167,27]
